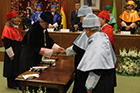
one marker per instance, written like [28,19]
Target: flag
[63,15]
[114,13]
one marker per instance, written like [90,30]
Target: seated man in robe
[129,18]
[112,21]
[36,14]
[56,18]
[99,58]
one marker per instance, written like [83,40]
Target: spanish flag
[63,15]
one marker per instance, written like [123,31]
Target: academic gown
[26,22]
[108,30]
[80,77]
[112,21]
[10,38]
[99,58]
[57,19]
[35,16]
[129,18]
[32,43]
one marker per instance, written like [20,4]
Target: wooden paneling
[5,6]
[120,41]
[126,41]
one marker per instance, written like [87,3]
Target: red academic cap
[11,14]
[104,14]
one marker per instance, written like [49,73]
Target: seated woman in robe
[26,22]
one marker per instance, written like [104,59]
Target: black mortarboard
[47,17]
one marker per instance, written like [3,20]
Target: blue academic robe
[57,18]
[35,16]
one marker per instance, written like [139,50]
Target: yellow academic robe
[130,17]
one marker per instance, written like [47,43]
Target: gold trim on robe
[130,17]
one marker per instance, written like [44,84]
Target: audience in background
[75,20]
[26,22]
[36,14]
[56,18]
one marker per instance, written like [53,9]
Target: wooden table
[59,77]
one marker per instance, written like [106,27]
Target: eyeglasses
[130,5]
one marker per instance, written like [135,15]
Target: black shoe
[13,87]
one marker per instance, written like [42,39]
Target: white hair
[93,29]
[40,19]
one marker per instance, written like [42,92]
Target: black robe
[80,76]
[108,76]
[26,22]
[107,81]
[131,29]
[32,43]
[11,68]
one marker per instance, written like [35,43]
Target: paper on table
[48,60]
[125,32]
[50,29]
[64,30]
[41,67]
[30,75]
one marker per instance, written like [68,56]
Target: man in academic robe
[33,43]
[99,58]
[129,18]
[12,37]
[56,18]
[78,49]
[106,28]
[75,20]
[112,21]
[36,14]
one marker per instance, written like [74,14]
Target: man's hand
[56,51]
[89,91]
[11,58]
[127,28]
[75,26]
[62,50]
[51,26]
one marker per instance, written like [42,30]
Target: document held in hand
[10,52]
[92,80]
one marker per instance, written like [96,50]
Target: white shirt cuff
[32,22]
[46,52]
[55,46]
[10,52]
[70,51]
[55,25]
